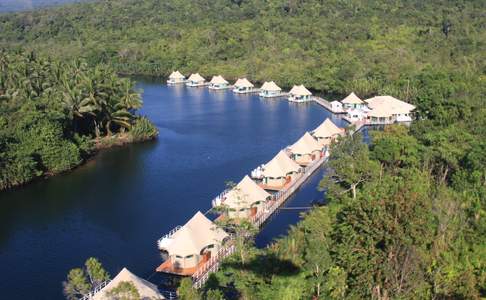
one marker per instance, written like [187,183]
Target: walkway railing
[212,265]
[326,104]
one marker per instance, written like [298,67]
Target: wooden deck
[168,267]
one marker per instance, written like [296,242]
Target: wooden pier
[212,265]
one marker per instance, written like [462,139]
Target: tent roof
[196,77]
[176,75]
[384,106]
[218,80]
[352,99]
[270,86]
[196,234]
[300,90]
[243,83]
[245,194]
[146,289]
[280,166]
[305,145]
[327,129]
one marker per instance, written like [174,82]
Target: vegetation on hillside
[406,232]
[54,114]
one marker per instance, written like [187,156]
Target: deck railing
[169,235]
[98,288]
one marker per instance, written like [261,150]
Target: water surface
[116,206]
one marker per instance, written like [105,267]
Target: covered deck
[171,268]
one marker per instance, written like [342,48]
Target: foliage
[80,281]
[186,291]
[125,290]
[143,130]
[50,111]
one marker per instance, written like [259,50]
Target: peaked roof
[243,83]
[270,86]
[352,99]
[146,289]
[176,75]
[196,78]
[196,234]
[327,129]
[305,145]
[388,105]
[280,166]
[218,80]
[245,194]
[300,90]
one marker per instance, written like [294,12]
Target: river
[117,205]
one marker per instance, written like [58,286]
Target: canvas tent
[326,132]
[305,150]
[299,93]
[146,290]
[280,171]
[194,242]
[176,77]
[245,199]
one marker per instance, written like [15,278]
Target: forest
[55,114]
[415,227]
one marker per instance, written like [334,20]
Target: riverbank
[100,144]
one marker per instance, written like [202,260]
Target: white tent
[196,78]
[352,99]
[145,289]
[280,166]
[305,145]
[327,130]
[218,80]
[299,91]
[198,233]
[176,75]
[244,196]
[243,83]
[270,87]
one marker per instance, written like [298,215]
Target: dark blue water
[117,206]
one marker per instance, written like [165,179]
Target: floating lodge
[299,93]
[243,86]
[195,80]
[218,83]
[270,90]
[176,78]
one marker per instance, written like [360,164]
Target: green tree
[125,290]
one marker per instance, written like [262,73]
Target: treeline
[332,46]
[54,114]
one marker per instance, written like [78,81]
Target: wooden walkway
[202,274]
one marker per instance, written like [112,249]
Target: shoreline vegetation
[414,229]
[55,115]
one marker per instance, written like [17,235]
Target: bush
[143,130]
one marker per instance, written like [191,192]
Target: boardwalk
[202,274]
